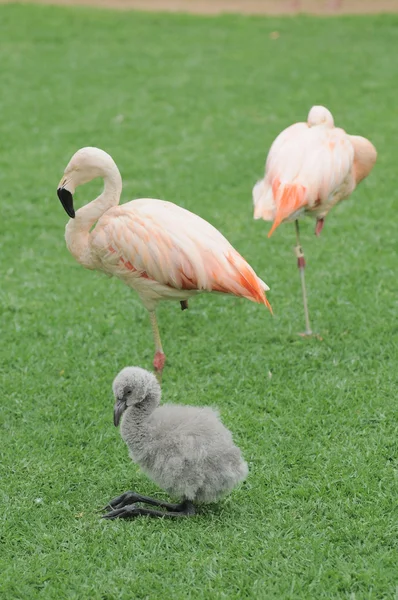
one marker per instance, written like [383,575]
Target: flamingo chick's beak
[118,409]
[66,198]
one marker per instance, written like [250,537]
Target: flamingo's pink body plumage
[166,252]
[311,167]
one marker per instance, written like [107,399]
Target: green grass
[202,99]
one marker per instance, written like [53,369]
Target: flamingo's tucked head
[364,158]
[319,115]
[86,164]
[134,386]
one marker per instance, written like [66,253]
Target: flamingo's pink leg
[319,226]
[160,357]
[301,266]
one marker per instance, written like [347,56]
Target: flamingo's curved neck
[135,426]
[77,231]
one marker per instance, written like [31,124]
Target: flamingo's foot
[305,334]
[319,226]
[159,361]
[310,334]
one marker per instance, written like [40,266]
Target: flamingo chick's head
[86,164]
[133,386]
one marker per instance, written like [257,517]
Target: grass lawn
[188,107]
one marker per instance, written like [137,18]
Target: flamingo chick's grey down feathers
[186,450]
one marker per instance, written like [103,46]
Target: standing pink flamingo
[310,167]
[159,249]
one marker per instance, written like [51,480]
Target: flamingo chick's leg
[185,509]
[132,498]
[301,265]
[160,357]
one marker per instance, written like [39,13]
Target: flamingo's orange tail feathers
[245,276]
[291,198]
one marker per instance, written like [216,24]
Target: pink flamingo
[159,249]
[310,167]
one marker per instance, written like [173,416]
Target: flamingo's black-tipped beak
[118,409]
[67,201]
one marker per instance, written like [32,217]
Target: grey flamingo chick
[186,450]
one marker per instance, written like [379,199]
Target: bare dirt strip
[263,7]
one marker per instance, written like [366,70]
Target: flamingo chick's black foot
[184,304]
[131,510]
[124,507]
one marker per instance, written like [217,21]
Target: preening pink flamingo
[310,167]
[159,249]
